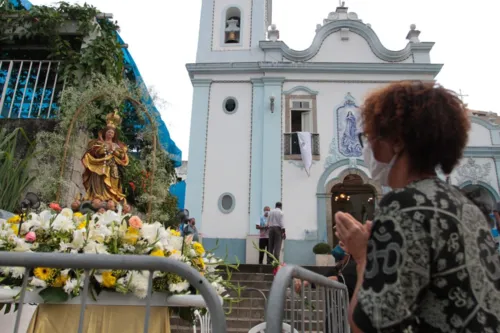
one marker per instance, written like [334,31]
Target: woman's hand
[353,235]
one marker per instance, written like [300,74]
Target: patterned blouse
[431,265]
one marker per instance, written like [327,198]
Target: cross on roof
[462,95]
[341,3]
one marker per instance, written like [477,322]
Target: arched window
[232,33]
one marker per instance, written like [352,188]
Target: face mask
[379,171]
[338,253]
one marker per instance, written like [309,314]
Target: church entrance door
[355,197]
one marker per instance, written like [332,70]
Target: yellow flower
[15,228]
[169,253]
[14,219]
[198,248]
[175,232]
[158,253]
[44,273]
[82,225]
[199,263]
[60,281]
[108,280]
[131,236]
[77,215]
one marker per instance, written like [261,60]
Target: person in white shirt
[275,221]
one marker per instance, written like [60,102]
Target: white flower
[78,239]
[175,242]
[21,245]
[38,283]
[67,213]
[98,278]
[64,247]
[15,272]
[139,283]
[178,287]
[176,255]
[26,226]
[218,287]
[63,223]
[128,248]
[95,248]
[99,232]
[70,285]
[151,232]
[44,219]
[109,217]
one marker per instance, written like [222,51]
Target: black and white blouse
[432,265]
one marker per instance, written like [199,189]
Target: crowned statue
[102,160]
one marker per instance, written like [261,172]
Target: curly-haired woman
[427,263]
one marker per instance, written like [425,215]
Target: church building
[252,94]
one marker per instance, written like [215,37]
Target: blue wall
[179,190]
[230,247]
[299,252]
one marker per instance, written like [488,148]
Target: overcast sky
[163,34]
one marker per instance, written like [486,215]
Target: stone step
[268,269]
[261,285]
[239,276]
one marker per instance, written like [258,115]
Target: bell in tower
[232,30]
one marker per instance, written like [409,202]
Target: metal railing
[89,262]
[291,144]
[29,88]
[319,309]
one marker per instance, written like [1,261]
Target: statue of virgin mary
[102,160]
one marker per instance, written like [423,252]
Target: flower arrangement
[61,230]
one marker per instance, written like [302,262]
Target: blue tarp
[179,190]
[164,136]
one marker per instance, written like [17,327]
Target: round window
[230,105]
[226,203]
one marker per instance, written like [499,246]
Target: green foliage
[15,174]
[322,248]
[93,49]
[49,148]
[8,307]
[53,295]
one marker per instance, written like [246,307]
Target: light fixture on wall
[271,99]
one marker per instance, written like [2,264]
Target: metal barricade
[322,308]
[89,262]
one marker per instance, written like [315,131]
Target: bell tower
[232,29]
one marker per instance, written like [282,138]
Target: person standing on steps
[264,236]
[277,234]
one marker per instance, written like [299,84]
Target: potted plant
[323,254]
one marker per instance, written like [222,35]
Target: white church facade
[252,94]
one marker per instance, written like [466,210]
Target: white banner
[305,143]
